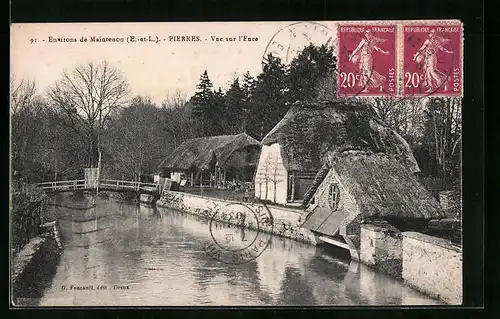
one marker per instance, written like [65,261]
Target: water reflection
[158,255]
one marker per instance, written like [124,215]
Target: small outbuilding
[343,166]
[214,160]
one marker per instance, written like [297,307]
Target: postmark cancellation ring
[231,241]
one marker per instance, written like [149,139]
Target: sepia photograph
[284,163]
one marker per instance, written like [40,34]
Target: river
[134,255]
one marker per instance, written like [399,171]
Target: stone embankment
[428,264]
[286,221]
[33,267]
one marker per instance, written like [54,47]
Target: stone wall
[433,266]
[33,268]
[286,222]
[381,248]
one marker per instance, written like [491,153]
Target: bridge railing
[63,185]
[118,184]
[105,183]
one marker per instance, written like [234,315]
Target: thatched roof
[382,187]
[310,130]
[201,152]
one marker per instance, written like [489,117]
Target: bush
[28,212]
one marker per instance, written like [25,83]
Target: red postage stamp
[367,60]
[432,60]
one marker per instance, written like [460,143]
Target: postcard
[285,163]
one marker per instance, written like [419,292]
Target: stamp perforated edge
[369,23]
[400,49]
[400,24]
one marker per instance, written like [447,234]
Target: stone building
[344,166]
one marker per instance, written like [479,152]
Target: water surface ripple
[155,257]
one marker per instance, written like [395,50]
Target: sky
[159,68]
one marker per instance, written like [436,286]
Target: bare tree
[178,119]
[263,175]
[385,107]
[404,115]
[134,139]
[26,114]
[175,99]
[415,108]
[22,94]
[447,130]
[85,97]
[40,145]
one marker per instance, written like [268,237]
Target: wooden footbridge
[108,185]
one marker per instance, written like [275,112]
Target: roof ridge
[199,151]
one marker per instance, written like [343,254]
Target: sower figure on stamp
[427,54]
[368,77]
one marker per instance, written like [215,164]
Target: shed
[365,187]
[224,157]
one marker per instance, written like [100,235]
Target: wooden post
[192,179]
[293,188]
[201,183]
[224,176]
[98,173]
[215,177]
[219,178]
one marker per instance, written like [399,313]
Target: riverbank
[286,222]
[433,267]
[428,264]
[35,243]
[33,268]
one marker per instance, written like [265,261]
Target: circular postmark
[239,232]
[288,42]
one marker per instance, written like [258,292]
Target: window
[333,196]
[298,184]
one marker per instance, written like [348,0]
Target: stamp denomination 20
[367,60]
[432,60]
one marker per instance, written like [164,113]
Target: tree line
[90,110]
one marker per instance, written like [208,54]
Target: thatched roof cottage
[295,150]
[341,163]
[222,157]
